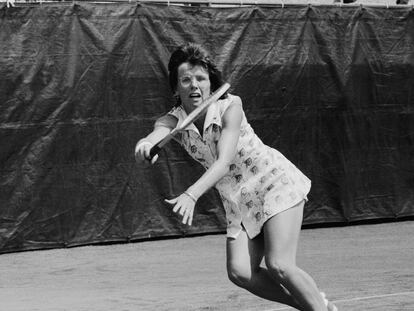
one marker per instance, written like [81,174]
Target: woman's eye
[185,80]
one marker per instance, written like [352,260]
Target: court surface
[361,268]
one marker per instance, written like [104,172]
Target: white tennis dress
[261,182]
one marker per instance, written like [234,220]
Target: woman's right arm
[163,126]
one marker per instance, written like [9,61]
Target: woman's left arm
[226,148]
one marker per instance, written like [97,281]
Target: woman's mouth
[195,95]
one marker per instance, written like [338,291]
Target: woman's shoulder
[230,100]
[234,99]
[168,120]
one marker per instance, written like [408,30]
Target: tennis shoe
[328,304]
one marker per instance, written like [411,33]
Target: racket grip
[154,151]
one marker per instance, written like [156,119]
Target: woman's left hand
[183,205]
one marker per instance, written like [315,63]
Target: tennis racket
[194,115]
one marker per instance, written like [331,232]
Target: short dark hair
[193,54]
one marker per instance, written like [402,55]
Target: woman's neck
[199,123]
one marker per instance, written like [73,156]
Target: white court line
[355,299]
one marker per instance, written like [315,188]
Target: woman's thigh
[281,234]
[244,255]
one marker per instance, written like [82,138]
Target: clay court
[362,268]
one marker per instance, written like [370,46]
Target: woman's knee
[239,274]
[280,269]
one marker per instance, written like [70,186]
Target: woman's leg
[243,266]
[281,236]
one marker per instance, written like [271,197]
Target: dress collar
[212,117]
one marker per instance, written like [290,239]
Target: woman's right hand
[142,153]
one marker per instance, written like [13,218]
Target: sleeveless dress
[261,182]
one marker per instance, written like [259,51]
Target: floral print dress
[261,182]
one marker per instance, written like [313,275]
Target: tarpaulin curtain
[330,87]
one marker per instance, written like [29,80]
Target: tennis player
[263,193]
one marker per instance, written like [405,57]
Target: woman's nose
[194,83]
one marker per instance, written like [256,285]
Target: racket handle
[154,151]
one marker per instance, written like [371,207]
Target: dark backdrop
[330,87]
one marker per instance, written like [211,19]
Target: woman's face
[193,85]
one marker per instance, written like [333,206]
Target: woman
[263,193]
